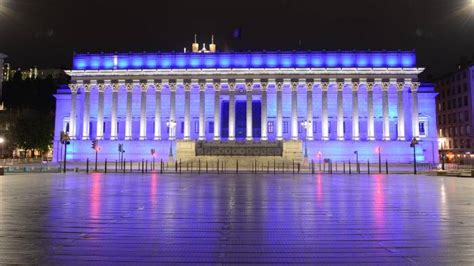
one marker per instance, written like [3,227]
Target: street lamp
[413,144]
[2,140]
[172,125]
[319,157]
[379,151]
[357,161]
[305,124]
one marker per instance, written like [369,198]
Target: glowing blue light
[377,60]
[332,60]
[347,60]
[245,60]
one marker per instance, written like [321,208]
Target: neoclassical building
[259,105]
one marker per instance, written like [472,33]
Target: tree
[33,131]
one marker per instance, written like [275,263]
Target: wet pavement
[211,219]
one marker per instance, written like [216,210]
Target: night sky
[47,32]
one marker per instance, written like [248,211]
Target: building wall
[455,109]
[397,151]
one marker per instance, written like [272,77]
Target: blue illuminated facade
[244,60]
[131,98]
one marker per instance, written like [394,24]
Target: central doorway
[241,119]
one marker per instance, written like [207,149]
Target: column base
[157,138]
[142,138]
[325,138]
[264,139]
[217,138]
[370,138]
[113,138]
[231,138]
[310,138]
[249,139]
[401,138]
[128,138]
[385,138]
[355,138]
[279,138]
[202,138]
[85,138]
[340,138]
[187,138]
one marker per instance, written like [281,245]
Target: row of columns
[249,126]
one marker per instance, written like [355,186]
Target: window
[67,127]
[423,127]
[285,126]
[468,143]
[314,126]
[300,127]
[196,126]
[182,127]
[465,86]
[271,127]
[466,116]
[459,102]
[211,128]
[466,102]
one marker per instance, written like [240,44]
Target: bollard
[274,167]
[105,166]
[161,166]
[236,166]
[217,166]
[146,166]
[87,165]
[131,165]
[368,166]
[116,166]
[199,166]
[336,167]
[268,167]
[207,167]
[283,167]
[350,168]
[293,166]
[312,167]
[176,166]
[299,167]
[386,167]
[344,167]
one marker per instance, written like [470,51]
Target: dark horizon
[47,33]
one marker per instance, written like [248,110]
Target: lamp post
[357,161]
[305,124]
[413,144]
[171,124]
[319,158]
[64,140]
[379,151]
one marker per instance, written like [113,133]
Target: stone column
[100,113]
[72,118]
[157,111]
[340,112]
[355,111]
[187,104]
[414,110]
[249,128]
[279,106]
[113,118]
[370,112]
[128,117]
[217,112]
[386,122]
[400,113]
[231,111]
[202,110]
[294,111]
[324,112]
[309,111]
[144,88]
[172,130]
[264,135]
[86,112]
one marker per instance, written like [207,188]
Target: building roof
[321,59]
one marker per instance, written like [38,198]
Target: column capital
[340,86]
[248,86]
[231,86]
[73,87]
[187,86]
[370,86]
[158,86]
[202,86]
[355,86]
[129,87]
[279,86]
[101,87]
[324,86]
[385,86]
[143,87]
[400,86]
[87,87]
[172,86]
[217,86]
[309,86]
[263,86]
[415,86]
[294,86]
[115,87]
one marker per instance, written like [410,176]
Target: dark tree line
[30,105]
